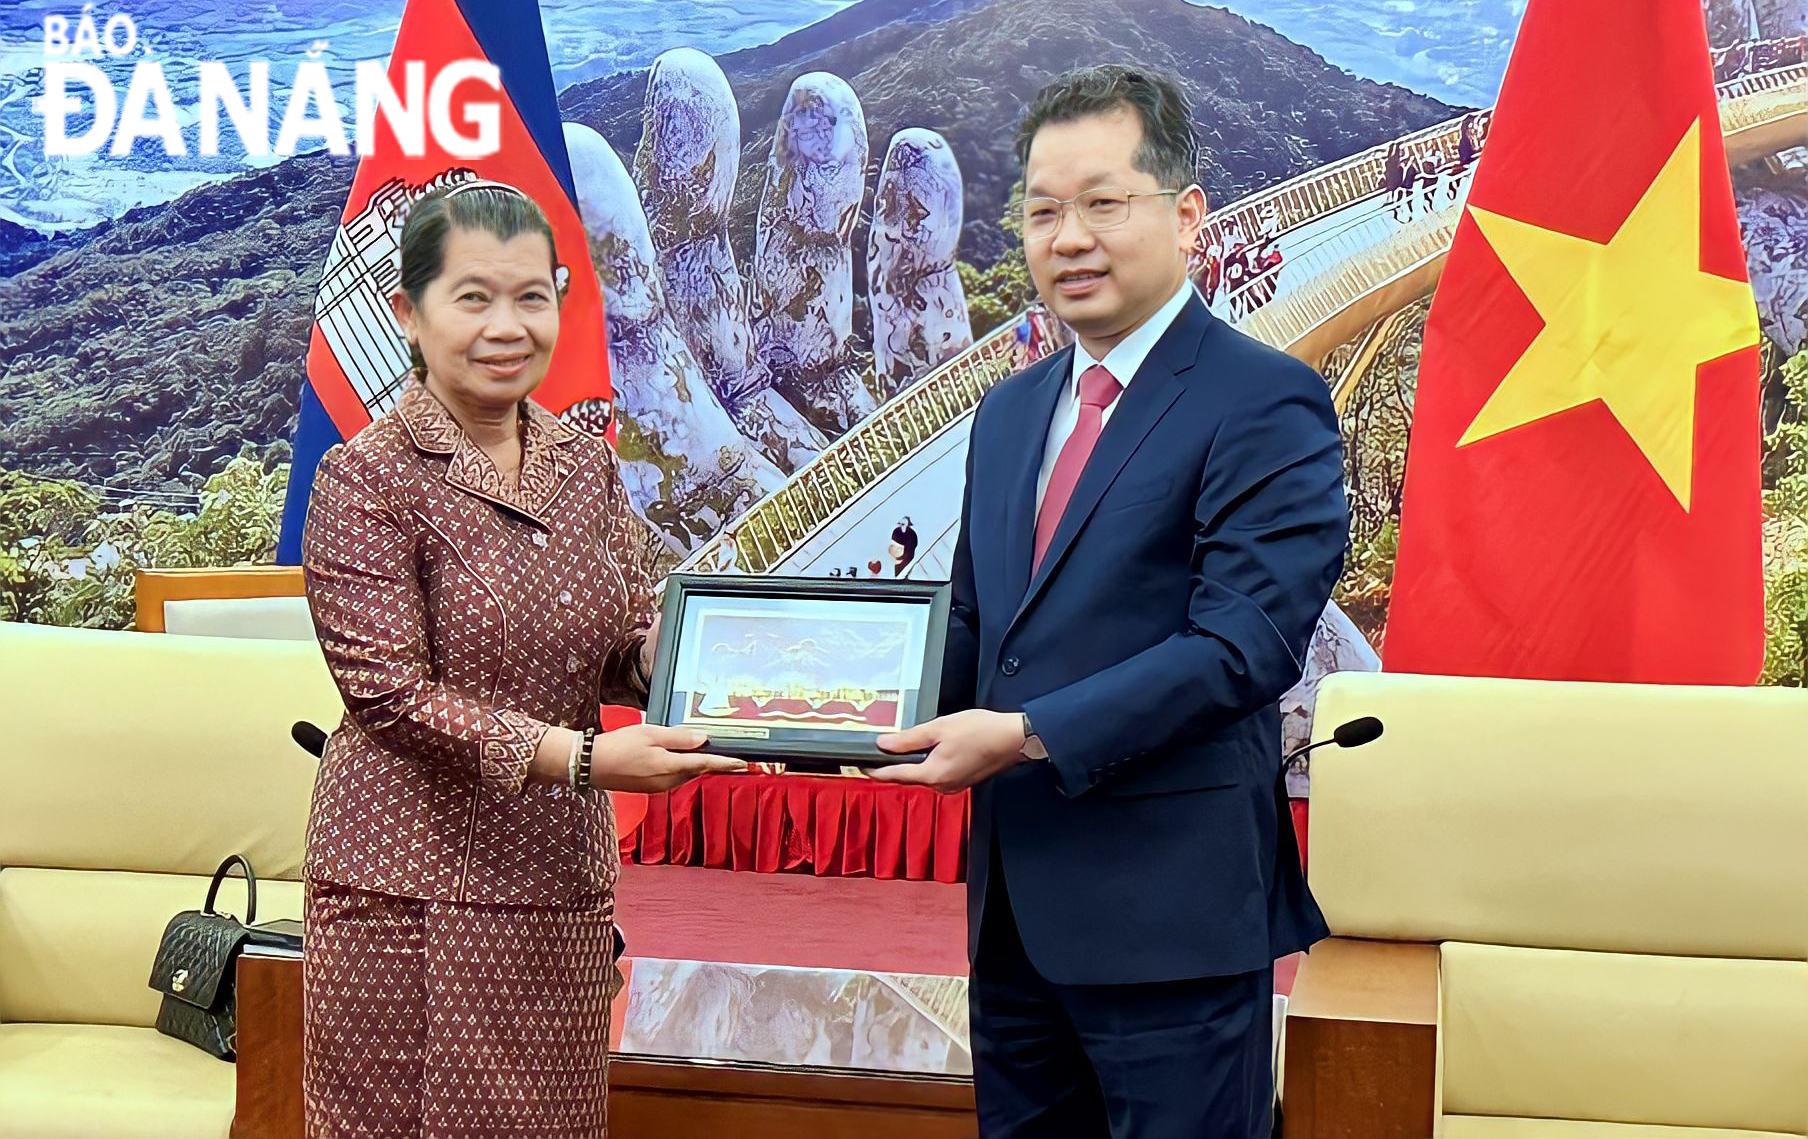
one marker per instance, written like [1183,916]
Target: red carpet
[689,913]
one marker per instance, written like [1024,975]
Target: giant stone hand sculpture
[804,264]
[723,384]
[689,155]
[688,468]
[919,308]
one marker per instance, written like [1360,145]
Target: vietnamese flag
[1582,486]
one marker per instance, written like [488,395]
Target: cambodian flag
[357,358]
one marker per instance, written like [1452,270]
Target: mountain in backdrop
[157,346]
[20,247]
[1266,107]
[144,352]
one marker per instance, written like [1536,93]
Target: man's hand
[964,748]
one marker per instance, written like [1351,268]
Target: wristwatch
[1032,743]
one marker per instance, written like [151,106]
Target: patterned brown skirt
[430,1020]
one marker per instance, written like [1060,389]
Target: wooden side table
[649,1097]
[1362,1042]
[269,1046]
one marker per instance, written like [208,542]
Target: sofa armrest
[1362,1042]
[152,587]
[269,1046]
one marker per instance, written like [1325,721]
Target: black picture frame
[678,694]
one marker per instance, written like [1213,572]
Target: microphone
[1355,733]
[310,736]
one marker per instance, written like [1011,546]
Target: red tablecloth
[831,827]
[825,826]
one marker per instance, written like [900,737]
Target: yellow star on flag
[1626,323]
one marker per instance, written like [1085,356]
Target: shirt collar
[1126,357]
[432,429]
[545,459]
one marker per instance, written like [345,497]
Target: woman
[478,585]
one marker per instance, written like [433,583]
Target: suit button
[540,538]
[564,597]
[1010,666]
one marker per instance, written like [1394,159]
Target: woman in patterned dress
[479,584]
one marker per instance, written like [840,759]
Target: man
[1152,523]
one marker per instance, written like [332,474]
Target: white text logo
[308,111]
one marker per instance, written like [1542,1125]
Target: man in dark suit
[1153,521]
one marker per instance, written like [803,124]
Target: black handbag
[195,965]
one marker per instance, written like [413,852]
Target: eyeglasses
[1105,207]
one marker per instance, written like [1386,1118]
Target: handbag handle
[219,876]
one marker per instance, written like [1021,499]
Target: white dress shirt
[1125,357]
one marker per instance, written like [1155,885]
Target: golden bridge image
[1333,267]
[1355,253]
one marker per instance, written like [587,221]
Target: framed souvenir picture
[780,669]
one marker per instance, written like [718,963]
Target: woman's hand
[649,758]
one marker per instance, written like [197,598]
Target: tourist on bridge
[1396,181]
[903,548]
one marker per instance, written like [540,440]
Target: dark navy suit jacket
[1172,610]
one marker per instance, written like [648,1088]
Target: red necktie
[1097,389]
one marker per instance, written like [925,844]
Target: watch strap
[1032,743]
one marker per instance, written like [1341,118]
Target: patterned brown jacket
[460,617]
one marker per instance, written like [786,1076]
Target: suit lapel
[1020,524]
[1145,400]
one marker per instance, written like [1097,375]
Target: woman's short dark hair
[498,210]
[1169,150]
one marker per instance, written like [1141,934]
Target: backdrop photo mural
[799,218]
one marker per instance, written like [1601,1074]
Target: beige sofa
[1583,913]
[130,764]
